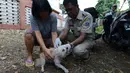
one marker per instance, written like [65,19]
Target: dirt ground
[103,59]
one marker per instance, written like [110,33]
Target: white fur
[58,53]
[42,60]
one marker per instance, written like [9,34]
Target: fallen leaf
[14,66]
[3,58]
[2,46]
[16,72]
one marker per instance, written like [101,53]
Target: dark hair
[114,5]
[40,6]
[73,2]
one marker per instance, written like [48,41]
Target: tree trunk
[115,1]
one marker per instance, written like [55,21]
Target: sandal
[29,63]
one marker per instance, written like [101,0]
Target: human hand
[57,43]
[48,53]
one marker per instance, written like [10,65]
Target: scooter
[117,33]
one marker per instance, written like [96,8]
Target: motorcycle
[117,31]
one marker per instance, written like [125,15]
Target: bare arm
[40,40]
[75,42]
[87,27]
[42,45]
[54,36]
[64,33]
[79,39]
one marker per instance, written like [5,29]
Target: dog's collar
[72,45]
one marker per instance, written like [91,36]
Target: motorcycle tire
[105,38]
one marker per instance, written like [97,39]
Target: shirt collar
[79,16]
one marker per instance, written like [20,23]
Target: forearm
[79,40]
[54,36]
[63,34]
[40,40]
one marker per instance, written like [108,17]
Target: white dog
[58,53]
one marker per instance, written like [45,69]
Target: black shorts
[48,41]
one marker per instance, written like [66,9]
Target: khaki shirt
[83,23]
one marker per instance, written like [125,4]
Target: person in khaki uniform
[78,30]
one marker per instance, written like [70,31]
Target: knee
[79,50]
[28,37]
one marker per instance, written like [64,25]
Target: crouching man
[78,30]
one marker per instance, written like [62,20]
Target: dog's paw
[66,71]
[42,71]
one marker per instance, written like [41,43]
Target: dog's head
[62,51]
